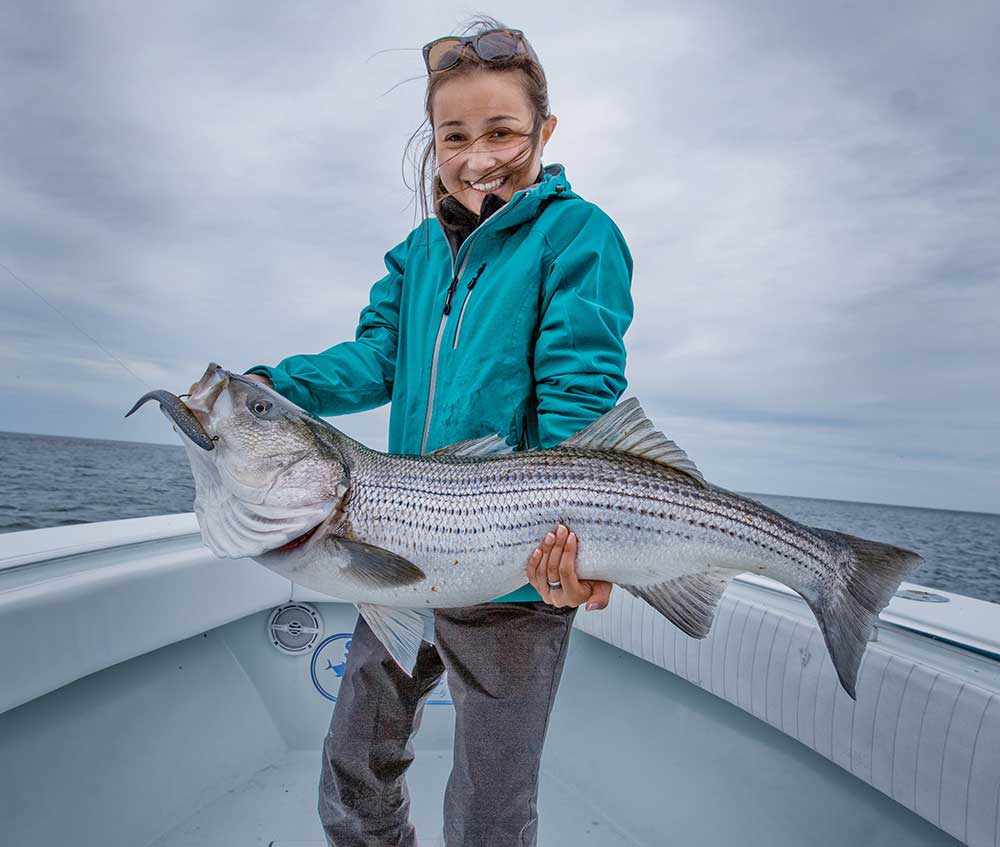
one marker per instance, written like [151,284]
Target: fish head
[275,472]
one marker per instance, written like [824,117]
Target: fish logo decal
[329,660]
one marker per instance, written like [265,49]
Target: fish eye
[260,406]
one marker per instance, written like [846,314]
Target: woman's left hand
[555,561]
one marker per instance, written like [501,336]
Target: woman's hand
[257,377]
[554,561]
[260,378]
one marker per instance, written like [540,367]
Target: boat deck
[277,808]
[216,741]
[634,758]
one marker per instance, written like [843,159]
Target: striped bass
[402,535]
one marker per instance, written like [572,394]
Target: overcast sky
[810,191]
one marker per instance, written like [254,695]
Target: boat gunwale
[963,622]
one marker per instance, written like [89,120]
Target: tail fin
[870,573]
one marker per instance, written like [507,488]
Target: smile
[488,186]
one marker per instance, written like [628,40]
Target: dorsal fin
[488,445]
[627,429]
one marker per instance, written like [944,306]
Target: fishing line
[401,82]
[393,50]
[73,324]
[397,50]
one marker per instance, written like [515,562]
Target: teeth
[488,186]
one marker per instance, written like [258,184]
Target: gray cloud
[809,193]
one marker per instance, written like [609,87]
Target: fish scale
[403,535]
[420,515]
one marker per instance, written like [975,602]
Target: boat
[153,695]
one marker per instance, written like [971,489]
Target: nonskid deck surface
[277,808]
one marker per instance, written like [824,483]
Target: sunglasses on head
[444,53]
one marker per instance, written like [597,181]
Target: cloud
[808,193]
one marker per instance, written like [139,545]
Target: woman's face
[477,119]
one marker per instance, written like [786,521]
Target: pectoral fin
[400,630]
[373,566]
[335,566]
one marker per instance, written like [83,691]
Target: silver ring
[555,585]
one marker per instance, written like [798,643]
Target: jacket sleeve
[579,357]
[355,375]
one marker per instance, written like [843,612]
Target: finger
[574,592]
[543,566]
[555,554]
[550,558]
[536,564]
[542,585]
[553,567]
[532,566]
[534,570]
[600,596]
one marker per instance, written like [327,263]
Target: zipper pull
[451,294]
[475,279]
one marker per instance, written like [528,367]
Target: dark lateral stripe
[797,541]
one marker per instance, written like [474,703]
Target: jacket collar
[457,222]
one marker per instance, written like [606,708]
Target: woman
[503,313]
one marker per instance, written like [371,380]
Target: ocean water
[51,481]
[961,550]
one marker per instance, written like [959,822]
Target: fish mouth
[175,409]
[192,416]
[206,391]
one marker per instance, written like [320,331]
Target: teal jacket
[519,333]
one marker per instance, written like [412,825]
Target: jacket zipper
[456,276]
[465,302]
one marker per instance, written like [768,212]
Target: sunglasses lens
[444,54]
[500,44]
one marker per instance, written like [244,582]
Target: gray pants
[504,661]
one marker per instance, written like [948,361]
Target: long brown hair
[429,188]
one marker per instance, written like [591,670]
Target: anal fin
[401,630]
[688,602]
[429,628]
